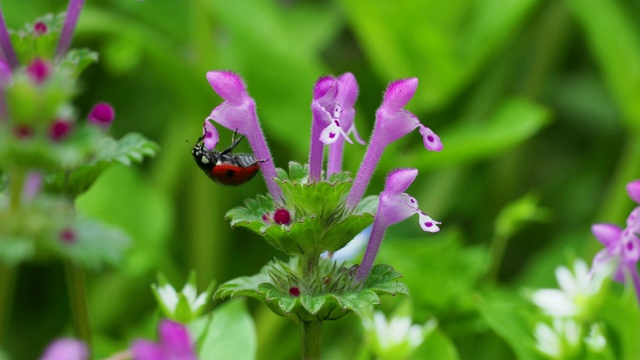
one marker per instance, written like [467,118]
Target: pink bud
[39,71]
[67,235]
[39,28]
[23,131]
[59,129]
[102,115]
[282,217]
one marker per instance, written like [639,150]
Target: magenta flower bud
[294,291]
[68,235]
[66,349]
[39,28]
[59,129]
[102,115]
[282,217]
[39,71]
[23,131]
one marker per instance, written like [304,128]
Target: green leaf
[437,346]
[132,147]
[444,44]
[333,296]
[76,60]
[96,244]
[621,315]
[229,334]
[615,42]
[511,317]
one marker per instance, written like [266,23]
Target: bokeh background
[537,103]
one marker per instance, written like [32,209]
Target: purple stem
[636,281]
[336,150]
[369,163]
[70,21]
[375,240]
[5,44]
[316,151]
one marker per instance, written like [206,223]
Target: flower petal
[211,136]
[427,223]
[399,93]
[229,86]
[633,188]
[399,180]
[175,340]
[554,302]
[66,349]
[147,350]
[607,234]
[630,246]
[430,139]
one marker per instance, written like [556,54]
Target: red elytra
[224,167]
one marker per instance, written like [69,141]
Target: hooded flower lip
[394,206]
[238,113]
[392,123]
[174,344]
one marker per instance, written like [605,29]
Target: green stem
[16,183]
[497,247]
[6,292]
[310,333]
[76,283]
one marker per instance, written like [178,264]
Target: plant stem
[78,301]
[6,291]
[310,335]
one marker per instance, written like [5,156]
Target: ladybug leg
[234,143]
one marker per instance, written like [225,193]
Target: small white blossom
[558,341]
[183,306]
[397,338]
[595,340]
[577,289]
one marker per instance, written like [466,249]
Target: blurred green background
[535,101]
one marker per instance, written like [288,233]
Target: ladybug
[224,167]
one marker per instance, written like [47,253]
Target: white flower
[575,294]
[559,340]
[396,338]
[183,306]
[596,340]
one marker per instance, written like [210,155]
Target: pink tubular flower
[238,113]
[392,123]
[333,113]
[174,344]
[70,21]
[5,44]
[394,206]
[102,115]
[66,349]
[622,246]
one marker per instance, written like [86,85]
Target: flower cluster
[310,211]
[575,306]
[48,154]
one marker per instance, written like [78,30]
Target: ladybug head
[205,158]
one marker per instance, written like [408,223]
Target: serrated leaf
[131,147]
[316,306]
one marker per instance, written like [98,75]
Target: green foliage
[324,302]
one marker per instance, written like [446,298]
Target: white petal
[548,341]
[427,223]
[169,297]
[554,302]
[566,280]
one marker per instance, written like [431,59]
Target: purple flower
[333,112]
[238,113]
[102,115]
[174,344]
[394,206]
[392,123]
[210,135]
[622,246]
[39,28]
[66,349]
[70,20]
[5,44]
